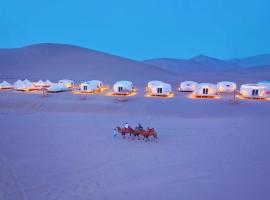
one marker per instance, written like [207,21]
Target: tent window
[228,85]
[159,90]
[85,87]
[205,90]
[255,92]
[120,89]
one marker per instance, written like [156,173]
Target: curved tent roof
[127,86]
[91,85]
[188,86]
[57,88]
[205,89]
[253,91]
[226,86]
[159,88]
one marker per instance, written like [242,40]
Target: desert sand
[62,147]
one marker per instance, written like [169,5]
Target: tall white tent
[253,91]
[123,87]
[226,86]
[91,86]
[5,85]
[159,88]
[205,90]
[187,86]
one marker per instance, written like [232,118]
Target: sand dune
[54,62]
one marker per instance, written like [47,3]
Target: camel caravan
[137,132]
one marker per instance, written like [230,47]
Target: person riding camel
[126,125]
[140,126]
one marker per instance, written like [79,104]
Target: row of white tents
[27,85]
[155,88]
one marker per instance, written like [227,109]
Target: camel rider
[126,125]
[140,126]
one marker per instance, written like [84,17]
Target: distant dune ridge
[57,61]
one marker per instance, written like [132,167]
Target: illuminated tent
[40,83]
[187,86]
[5,85]
[159,88]
[66,82]
[123,87]
[28,85]
[253,91]
[91,86]
[226,86]
[57,88]
[205,90]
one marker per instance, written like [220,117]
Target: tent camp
[5,85]
[66,82]
[187,86]
[226,86]
[57,88]
[205,90]
[91,86]
[123,87]
[159,88]
[253,91]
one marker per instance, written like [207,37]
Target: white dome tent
[187,86]
[18,84]
[66,82]
[5,85]
[205,90]
[91,86]
[253,91]
[226,86]
[123,87]
[57,88]
[159,88]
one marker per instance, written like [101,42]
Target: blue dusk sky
[141,29]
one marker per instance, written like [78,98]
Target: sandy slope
[61,147]
[55,61]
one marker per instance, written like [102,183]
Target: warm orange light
[133,93]
[170,95]
[192,96]
[253,98]
[98,91]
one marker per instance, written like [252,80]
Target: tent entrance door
[120,89]
[85,87]
[255,92]
[159,90]
[205,90]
